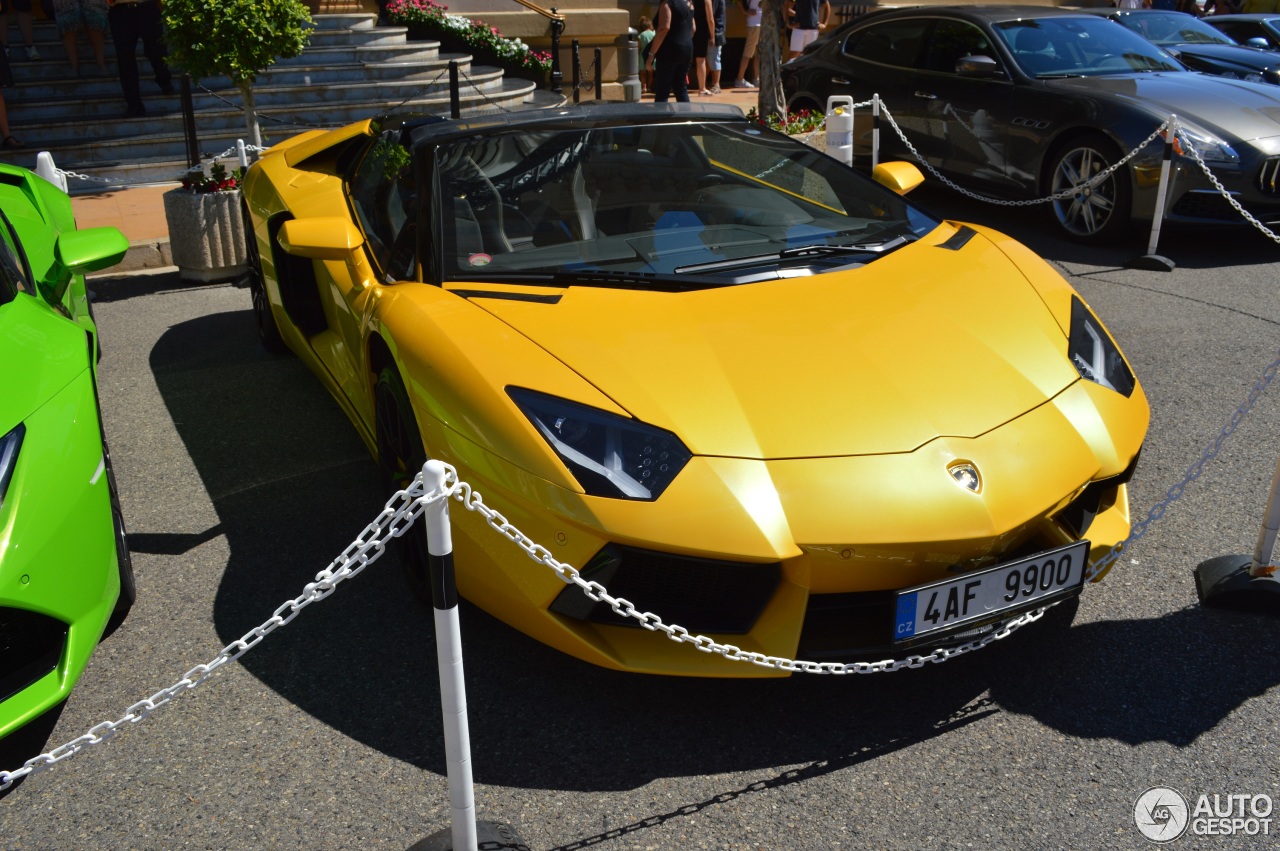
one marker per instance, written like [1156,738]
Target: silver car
[1024,102]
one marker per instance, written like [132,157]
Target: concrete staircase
[352,69]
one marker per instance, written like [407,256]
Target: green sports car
[65,574]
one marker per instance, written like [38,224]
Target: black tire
[1094,215]
[268,331]
[124,562]
[400,458]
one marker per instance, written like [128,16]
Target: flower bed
[428,19]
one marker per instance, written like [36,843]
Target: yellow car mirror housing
[328,238]
[901,177]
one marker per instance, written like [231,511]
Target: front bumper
[58,574]
[805,533]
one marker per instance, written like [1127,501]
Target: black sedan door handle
[926,95]
[840,81]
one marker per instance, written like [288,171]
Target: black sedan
[1024,102]
[1255,30]
[1199,46]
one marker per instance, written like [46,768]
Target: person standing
[718,20]
[703,18]
[73,17]
[22,10]
[132,20]
[755,12]
[811,17]
[671,50]
[645,39]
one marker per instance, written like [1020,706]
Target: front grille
[702,595]
[1205,205]
[1094,499]
[1269,176]
[30,647]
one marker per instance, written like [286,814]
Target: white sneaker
[32,53]
[742,84]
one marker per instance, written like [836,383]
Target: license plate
[983,593]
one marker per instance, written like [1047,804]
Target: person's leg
[22,8]
[124,35]
[99,54]
[151,29]
[73,51]
[713,67]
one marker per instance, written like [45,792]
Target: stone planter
[206,234]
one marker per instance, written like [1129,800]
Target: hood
[924,342]
[41,352]
[1226,55]
[1234,109]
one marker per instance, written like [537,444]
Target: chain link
[1217,184]
[399,513]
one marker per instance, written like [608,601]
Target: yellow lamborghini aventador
[752,391]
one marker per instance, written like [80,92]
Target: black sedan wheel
[1092,213]
[400,457]
[268,332]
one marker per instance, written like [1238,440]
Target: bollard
[557,78]
[1241,582]
[46,169]
[875,131]
[840,128]
[464,832]
[629,67]
[1152,261]
[242,154]
[189,121]
[599,75]
[455,97]
[577,69]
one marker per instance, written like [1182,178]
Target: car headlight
[609,455]
[1093,353]
[1210,148]
[9,446]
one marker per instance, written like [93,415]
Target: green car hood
[41,352]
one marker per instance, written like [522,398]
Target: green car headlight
[9,446]
[1093,353]
[609,455]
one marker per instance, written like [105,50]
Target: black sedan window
[952,41]
[1080,47]
[895,43]
[1173,28]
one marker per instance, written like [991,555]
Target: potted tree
[235,39]
[206,228]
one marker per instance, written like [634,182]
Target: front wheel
[268,331]
[1092,213]
[400,458]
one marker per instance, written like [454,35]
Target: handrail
[551,14]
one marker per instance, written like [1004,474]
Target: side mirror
[79,251]
[320,239]
[91,249]
[1258,41]
[901,177]
[978,66]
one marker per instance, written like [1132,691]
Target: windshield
[639,202]
[1080,47]
[1173,28]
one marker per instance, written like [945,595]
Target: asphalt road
[241,478]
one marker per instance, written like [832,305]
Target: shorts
[753,39]
[801,38]
[713,57]
[16,5]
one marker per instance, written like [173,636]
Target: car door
[962,118]
[877,59]
[382,196]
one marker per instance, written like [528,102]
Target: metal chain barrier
[405,506]
[400,512]
[1217,184]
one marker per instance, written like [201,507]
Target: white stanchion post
[242,153]
[1239,582]
[1262,564]
[840,128]
[1152,261]
[453,689]
[46,169]
[875,131]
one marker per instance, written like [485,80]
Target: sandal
[11,143]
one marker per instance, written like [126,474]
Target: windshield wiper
[816,250]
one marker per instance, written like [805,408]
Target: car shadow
[293,485]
